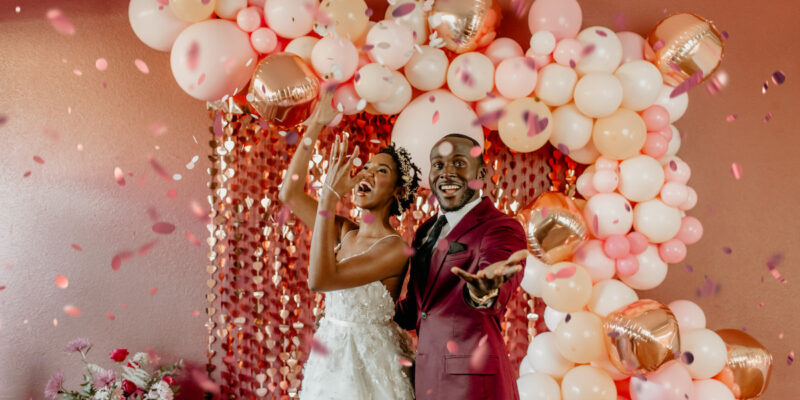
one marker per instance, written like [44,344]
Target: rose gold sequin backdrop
[260,310]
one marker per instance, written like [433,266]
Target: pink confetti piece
[736,170]
[124,306]
[489,118]
[152,213]
[193,56]
[76,247]
[318,347]
[790,358]
[77,72]
[601,32]
[163,228]
[475,184]
[26,174]
[218,125]
[60,22]
[727,250]
[409,251]
[675,67]
[780,336]
[435,118]
[403,10]
[172,193]
[572,63]
[432,98]
[367,218]
[157,129]
[72,311]
[38,159]
[587,50]
[687,85]
[101,64]
[452,347]
[195,313]
[3,119]
[147,247]
[479,356]
[159,169]
[55,322]
[761,304]
[659,44]
[443,245]
[778,77]
[119,176]
[404,362]
[324,213]
[142,66]
[110,316]
[116,261]
[192,238]
[153,291]
[768,117]
[475,151]
[725,35]
[619,22]
[732,117]
[201,79]
[283,215]
[62,282]
[772,265]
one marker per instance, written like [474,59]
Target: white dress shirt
[454,217]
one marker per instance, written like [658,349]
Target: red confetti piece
[76,247]
[110,316]
[193,56]
[778,77]
[172,193]
[318,347]
[761,304]
[38,159]
[367,218]
[732,117]
[736,170]
[475,184]
[403,10]
[192,238]
[119,176]
[195,313]
[159,169]
[26,174]
[476,151]
[163,228]
[153,291]
[124,306]
[772,265]
[3,119]
[147,247]
[60,22]
[2,287]
[72,311]
[659,44]
[452,347]
[116,261]
[142,66]
[62,282]
[435,118]
[687,85]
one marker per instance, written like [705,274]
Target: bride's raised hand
[338,177]
[324,113]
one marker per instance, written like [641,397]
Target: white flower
[136,375]
[142,359]
[164,391]
[102,394]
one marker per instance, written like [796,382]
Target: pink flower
[169,379]
[119,355]
[104,378]
[128,387]
[54,385]
[79,344]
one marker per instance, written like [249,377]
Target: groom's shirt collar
[454,217]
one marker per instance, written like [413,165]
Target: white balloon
[525,366]
[607,52]
[641,84]
[585,184]
[155,24]
[609,368]
[415,21]
[675,142]
[543,42]
[392,44]
[708,352]
[585,382]
[400,96]
[514,77]
[640,178]
[538,386]
[427,70]
[570,128]
[711,389]
[656,220]
[688,314]
[491,104]
[556,84]
[533,276]
[585,155]
[545,357]
[470,76]
[287,19]
[594,260]
[598,94]
[608,214]
[553,318]
[374,83]
[675,106]
[502,48]
[228,9]
[652,270]
[302,46]
[610,295]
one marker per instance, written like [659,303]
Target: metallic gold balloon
[684,44]
[283,89]
[554,227]
[749,364]
[641,337]
[465,25]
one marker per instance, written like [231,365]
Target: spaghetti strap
[368,248]
[339,246]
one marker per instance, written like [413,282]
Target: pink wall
[73,196]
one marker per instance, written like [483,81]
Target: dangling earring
[399,205]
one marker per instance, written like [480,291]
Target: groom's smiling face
[452,168]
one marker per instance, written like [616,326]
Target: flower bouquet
[137,379]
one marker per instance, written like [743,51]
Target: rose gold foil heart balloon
[283,89]
[685,44]
[641,337]
[554,227]
[749,364]
[465,25]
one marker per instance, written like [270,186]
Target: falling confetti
[77,72]
[619,22]
[110,316]
[318,347]
[475,184]
[489,118]
[727,250]
[163,228]
[76,247]
[38,159]
[687,85]
[404,362]
[55,322]
[147,247]
[432,98]
[193,56]
[159,169]
[26,174]
[367,218]
[324,213]
[192,238]
[563,273]
[172,193]
[587,50]
[687,357]
[563,149]
[736,170]
[732,117]
[116,261]
[476,151]
[790,358]
[60,22]
[772,265]
[62,282]
[142,66]
[403,10]
[452,347]
[119,176]
[768,117]
[72,311]
[600,32]
[409,251]
[435,118]
[153,291]
[778,77]
[709,288]
[101,64]
[535,125]
[480,354]
[659,44]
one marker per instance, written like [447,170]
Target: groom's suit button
[424,315]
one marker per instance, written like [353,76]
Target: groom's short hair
[474,142]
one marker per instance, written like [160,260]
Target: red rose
[169,379]
[128,387]
[119,355]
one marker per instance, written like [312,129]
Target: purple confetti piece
[587,50]
[627,207]
[790,358]
[688,268]
[687,85]
[292,137]
[283,215]
[572,63]
[563,149]
[725,35]
[727,250]
[673,165]
[403,10]
[432,99]
[357,77]
[709,288]
[530,63]
[601,32]
[778,77]
[367,47]
[218,125]
[568,318]
[675,66]
[768,117]
[489,117]
[613,334]
[687,357]
[536,125]
[772,265]
[659,44]
[619,22]
[324,213]
[368,12]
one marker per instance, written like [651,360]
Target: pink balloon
[539,60]
[670,382]
[264,40]
[585,185]
[334,58]
[638,242]
[568,52]
[632,46]
[691,200]
[605,180]
[248,19]
[502,48]
[617,246]
[672,251]
[392,44]
[627,266]
[561,17]
[655,145]
[675,170]
[346,96]
[605,163]
[691,230]
[592,257]
[514,78]
[674,194]
[665,132]
[655,118]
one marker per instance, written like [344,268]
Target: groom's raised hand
[492,277]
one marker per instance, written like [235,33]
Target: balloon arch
[578,132]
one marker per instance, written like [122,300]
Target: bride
[360,267]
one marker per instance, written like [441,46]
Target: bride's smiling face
[376,183]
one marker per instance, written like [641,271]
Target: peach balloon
[248,19]
[346,100]
[334,58]
[632,46]
[711,389]
[568,52]
[544,356]
[585,382]
[502,48]
[567,287]
[592,257]
[399,97]
[392,44]
[598,94]
[227,9]
[349,18]
[470,76]
[302,46]
[608,214]
[606,53]
[515,77]
[580,337]
[490,110]
[641,84]
[620,135]
[416,20]
[610,295]
[264,40]
[537,386]
[192,10]
[526,125]
[691,230]
[561,17]
[374,83]
[638,242]
[652,271]
[656,220]
[586,154]
[708,352]
[585,184]
[688,314]
[556,84]
[289,18]
[427,68]
[641,178]
[571,129]
[674,142]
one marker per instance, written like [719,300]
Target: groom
[465,268]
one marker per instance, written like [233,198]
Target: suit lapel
[470,221]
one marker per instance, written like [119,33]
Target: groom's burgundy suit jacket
[460,352]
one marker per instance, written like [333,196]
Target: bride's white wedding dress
[365,348]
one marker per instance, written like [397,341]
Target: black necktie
[426,250]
